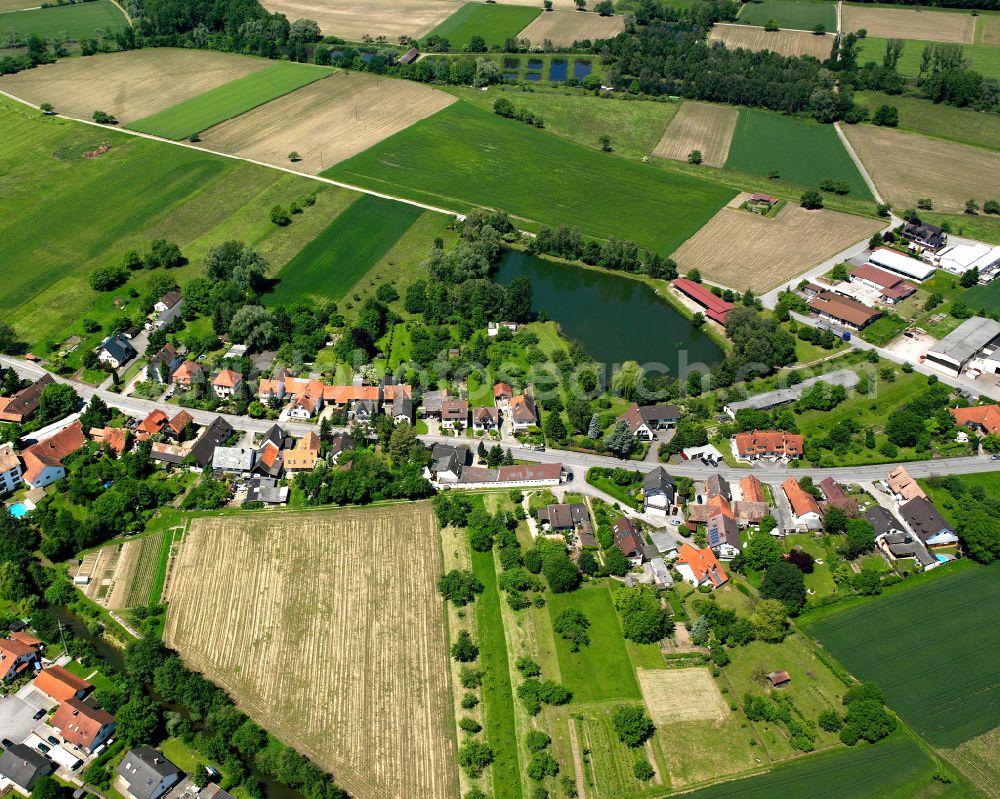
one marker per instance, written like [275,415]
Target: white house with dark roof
[115,351]
[144,773]
[659,492]
[168,308]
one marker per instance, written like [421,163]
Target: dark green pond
[615,318]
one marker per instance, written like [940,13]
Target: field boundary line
[319,178]
[124,12]
[857,162]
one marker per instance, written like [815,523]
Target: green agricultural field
[464,156]
[606,655]
[351,245]
[982,227]
[898,768]
[985,58]
[229,100]
[97,208]
[956,636]
[634,127]
[80,21]
[495,23]
[983,297]
[800,151]
[941,121]
[800,15]
[497,691]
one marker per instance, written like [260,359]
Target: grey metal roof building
[266,490]
[961,345]
[234,459]
[782,396]
[147,773]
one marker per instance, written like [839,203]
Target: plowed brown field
[786,42]
[699,126]
[908,23]
[563,28]
[353,19]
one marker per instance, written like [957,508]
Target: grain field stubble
[330,633]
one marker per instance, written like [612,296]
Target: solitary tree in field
[581,5]
[47,108]
[294,156]
[820,29]
[605,142]
[548,5]
[771,25]
[694,157]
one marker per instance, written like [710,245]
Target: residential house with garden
[226,383]
[167,308]
[61,684]
[115,351]
[806,513]
[924,521]
[187,375]
[303,456]
[659,493]
[43,461]
[22,404]
[699,567]
[644,420]
[16,658]
[502,392]
[834,494]
[523,414]
[628,539]
[22,766]
[114,438]
[10,470]
[161,366]
[770,444]
[454,414]
[82,725]
[144,773]
[902,486]
[485,418]
[984,419]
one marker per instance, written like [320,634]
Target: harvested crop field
[327,121]
[979,760]
[329,631]
[230,100]
[681,695]
[907,23]
[129,85]
[906,167]
[743,250]
[786,42]
[353,19]
[563,28]
[699,126]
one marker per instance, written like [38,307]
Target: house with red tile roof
[15,658]
[10,469]
[269,459]
[82,725]
[806,512]
[19,407]
[699,567]
[628,540]
[834,494]
[180,422]
[752,489]
[114,438]
[522,412]
[187,375]
[43,461]
[903,486]
[502,392]
[454,414]
[485,418]
[767,444]
[226,383]
[984,418]
[303,456]
[61,684]
[152,425]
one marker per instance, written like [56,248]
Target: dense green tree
[459,587]
[860,537]
[784,582]
[464,650]
[632,725]
[643,619]
[572,625]
[762,551]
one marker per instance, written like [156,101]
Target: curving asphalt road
[576,462]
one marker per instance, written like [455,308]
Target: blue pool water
[18,509]
[558,70]
[510,76]
[534,63]
[581,69]
[533,75]
[942,558]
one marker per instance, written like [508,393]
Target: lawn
[329,265]
[941,121]
[497,691]
[939,674]
[229,100]
[464,156]
[80,21]
[946,503]
[895,769]
[800,15]
[634,127]
[149,190]
[495,23]
[883,330]
[801,151]
[982,227]
[820,581]
[985,58]
[90,673]
[606,655]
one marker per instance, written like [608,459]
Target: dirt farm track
[327,628]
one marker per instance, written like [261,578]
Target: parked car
[52,740]
[38,714]
[995,457]
[7,743]
[43,748]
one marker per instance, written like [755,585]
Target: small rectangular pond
[535,63]
[615,318]
[581,69]
[512,63]
[558,70]
[511,75]
[533,75]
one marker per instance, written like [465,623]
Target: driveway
[16,713]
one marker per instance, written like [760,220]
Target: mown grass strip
[495,23]
[80,20]
[193,116]
[498,696]
[356,240]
